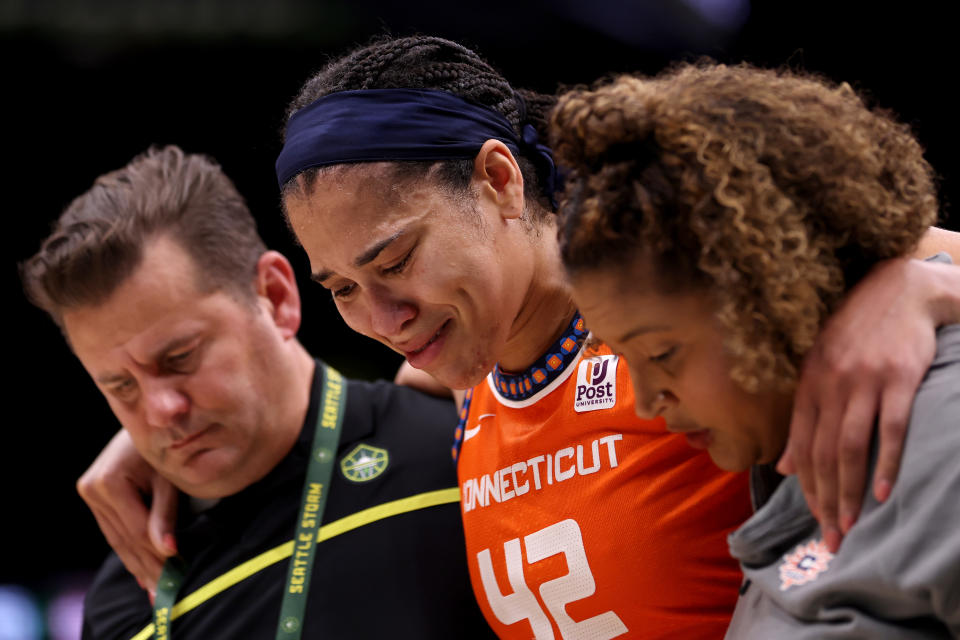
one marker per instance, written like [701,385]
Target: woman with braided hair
[417,181]
[565,492]
[716,216]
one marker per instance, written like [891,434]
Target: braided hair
[428,62]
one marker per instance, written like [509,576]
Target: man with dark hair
[187,324]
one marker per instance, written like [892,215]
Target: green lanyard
[315,492]
[333,401]
[170,579]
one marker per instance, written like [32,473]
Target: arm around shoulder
[942,281]
[864,370]
[928,512]
[113,488]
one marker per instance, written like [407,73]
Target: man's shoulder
[397,406]
[115,606]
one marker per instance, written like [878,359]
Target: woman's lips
[424,355]
[701,439]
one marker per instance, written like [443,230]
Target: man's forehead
[107,338]
[155,305]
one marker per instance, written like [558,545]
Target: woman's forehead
[348,211]
[364,183]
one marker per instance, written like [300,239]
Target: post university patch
[364,463]
[596,383]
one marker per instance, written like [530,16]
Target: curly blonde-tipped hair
[776,191]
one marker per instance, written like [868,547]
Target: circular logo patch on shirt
[364,463]
[804,564]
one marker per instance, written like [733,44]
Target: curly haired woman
[715,217]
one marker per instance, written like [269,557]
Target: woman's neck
[546,310]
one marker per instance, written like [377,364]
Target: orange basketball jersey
[584,521]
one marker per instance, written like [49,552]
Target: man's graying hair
[98,241]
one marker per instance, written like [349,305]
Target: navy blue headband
[384,125]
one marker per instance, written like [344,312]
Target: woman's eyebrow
[363,259]
[370,254]
[636,331]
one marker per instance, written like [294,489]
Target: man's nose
[165,404]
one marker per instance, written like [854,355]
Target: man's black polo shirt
[401,573]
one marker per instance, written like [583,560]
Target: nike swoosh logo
[469,433]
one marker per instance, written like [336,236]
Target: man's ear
[498,177]
[278,292]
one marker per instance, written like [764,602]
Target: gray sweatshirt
[897,573]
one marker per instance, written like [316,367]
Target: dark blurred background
[87,85]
